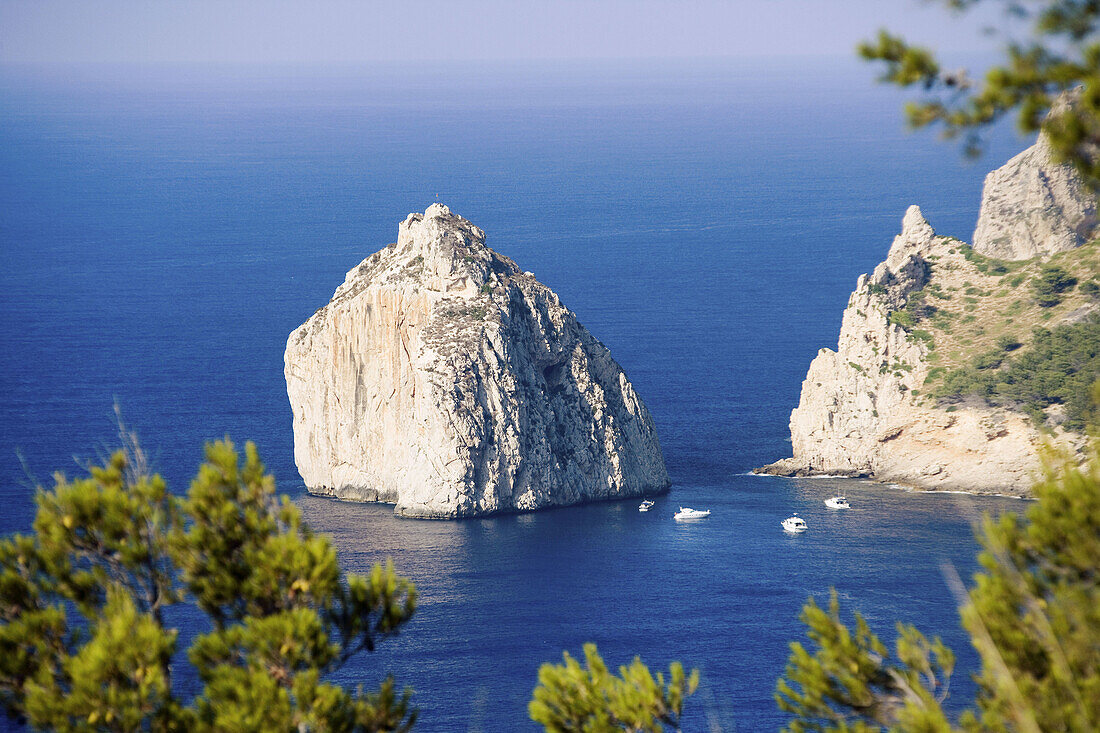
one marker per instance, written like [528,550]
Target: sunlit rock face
[445,380]
[858,414]
[1033,207]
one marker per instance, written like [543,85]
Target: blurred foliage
[849,683]
[1059,51]
[1034,612]
[1033,615]
[84,644]
[570,697]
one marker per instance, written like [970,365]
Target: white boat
[838,502]
[689,513]
[645,506]
[794,523]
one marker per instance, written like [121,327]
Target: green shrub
[989,359]
[90,604]
[1058,367]
[572,697]
[1050,284]
[918,334]
[901,318]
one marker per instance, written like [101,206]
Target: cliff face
[1033,207]
[862,411]
[444,379]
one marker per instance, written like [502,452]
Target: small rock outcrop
[858,416]
[445,380]
[1033,207]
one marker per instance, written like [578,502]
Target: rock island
[445,380]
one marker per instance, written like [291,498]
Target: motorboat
[689,513]
[645,506]
[794,523]
[838,502]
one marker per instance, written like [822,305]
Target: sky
[349,32]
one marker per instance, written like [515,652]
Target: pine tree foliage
[84,642]
[850,683]
[571,698]
[1033,614]
[1060,52]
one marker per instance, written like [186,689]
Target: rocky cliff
[445,380]
[1032,207]
[867,409]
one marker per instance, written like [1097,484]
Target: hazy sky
[349,32]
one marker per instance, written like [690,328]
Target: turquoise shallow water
[162,235]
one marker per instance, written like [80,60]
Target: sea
[163,229]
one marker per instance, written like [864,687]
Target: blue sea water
[162,232]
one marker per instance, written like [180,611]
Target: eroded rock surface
[1033,207]
[444,379]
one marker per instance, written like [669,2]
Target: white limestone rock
[1032,207]
[857,415]
[444,379]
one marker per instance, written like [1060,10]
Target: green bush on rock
[1058,367]
[1050,285]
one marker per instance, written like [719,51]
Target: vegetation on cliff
[1017,334]
[1057,368]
